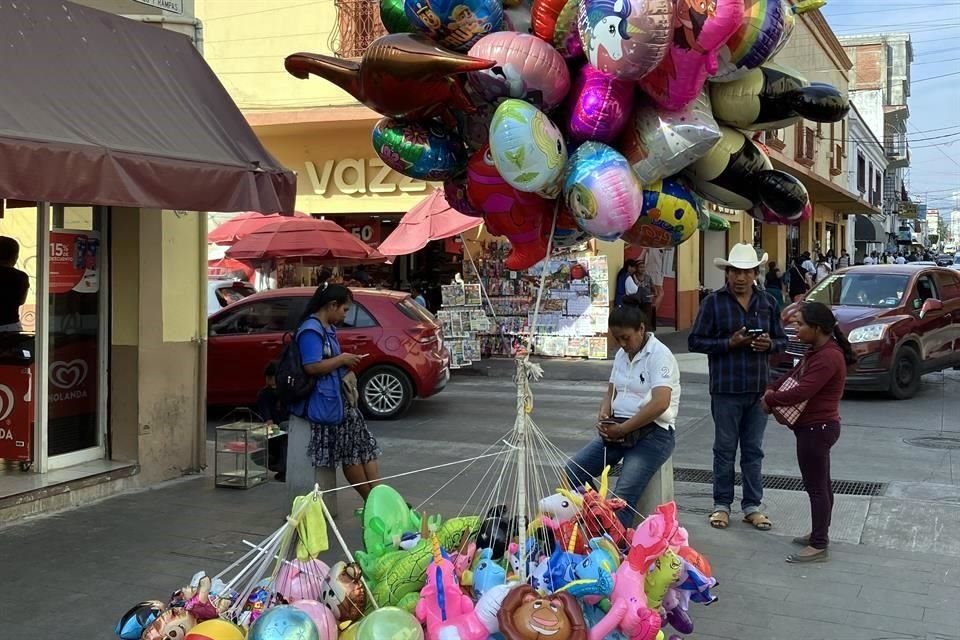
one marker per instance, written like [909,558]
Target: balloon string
[543,274]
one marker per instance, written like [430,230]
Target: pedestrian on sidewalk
[625,273]
[640,284]
[810,406]
[738,327]
[327,429]
[773,283]
[637,417]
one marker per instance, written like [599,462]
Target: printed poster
[74,261]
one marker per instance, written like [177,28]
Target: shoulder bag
[789,415]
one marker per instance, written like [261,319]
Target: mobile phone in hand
[755,333]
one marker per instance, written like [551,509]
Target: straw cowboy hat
[742,256]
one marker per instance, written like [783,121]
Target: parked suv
[407,356]
[902,320]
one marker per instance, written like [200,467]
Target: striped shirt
[740,370]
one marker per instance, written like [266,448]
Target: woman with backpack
[326,427]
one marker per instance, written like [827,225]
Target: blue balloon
[284,623]
[424,151]
[455,24]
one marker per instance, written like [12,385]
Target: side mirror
[930,306]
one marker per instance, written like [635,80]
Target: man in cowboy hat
[737,327]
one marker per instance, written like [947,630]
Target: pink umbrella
[310,240]
[432,219]
[243,224]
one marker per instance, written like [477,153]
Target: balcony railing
[358,25]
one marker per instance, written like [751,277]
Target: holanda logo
[6,402]
[67,375]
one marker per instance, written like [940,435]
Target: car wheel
[385,393]
[905,376]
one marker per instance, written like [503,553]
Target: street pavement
[896,575]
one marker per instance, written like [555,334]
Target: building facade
[102,379]
[866,167]
[881,77]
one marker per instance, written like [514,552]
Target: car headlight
[868,333]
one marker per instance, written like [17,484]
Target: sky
[934,125]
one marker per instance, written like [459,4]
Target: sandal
[719,519]
[821,556]
[759,521]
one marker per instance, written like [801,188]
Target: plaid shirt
[740,370]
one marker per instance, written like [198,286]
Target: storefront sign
[73,379]
[367,230]
[351,176]
[173,6]
[16,413]
[74,261]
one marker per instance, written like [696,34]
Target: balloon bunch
[597,118]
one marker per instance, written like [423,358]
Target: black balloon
[781,192]
[820,102]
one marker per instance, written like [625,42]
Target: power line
[942,75]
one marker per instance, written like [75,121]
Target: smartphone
[755,333]
[362,355]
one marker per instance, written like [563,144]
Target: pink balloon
[697,39]
[600,106]
[526,68]
[300,580]
[322,617]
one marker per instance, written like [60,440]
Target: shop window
[359,25]
[861,173]
[358,318]
[775,139]
[272,316]
[836,149]
[806,145]
[877,188]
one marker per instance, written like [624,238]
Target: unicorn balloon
[443,607]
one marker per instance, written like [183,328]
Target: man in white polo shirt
[637,417]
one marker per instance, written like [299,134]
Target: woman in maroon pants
[818,381]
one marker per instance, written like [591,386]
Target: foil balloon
[474,127]
[670,216]
[602,192]
[736,173]
[659,144]
[455,24]
[567,234]
[517,19]
[555,21]
[766,215]
[455,191]
[420,150]
[523,218]
[600,106]
[390,622]
[527,148]
[526,68]
[284,623]
[400,75]
[133,622]
[217,630]
[322,617]
[754,42]
[625,38]
[701,28]
[790,19]
[773,97]
[394,18]
[172,623]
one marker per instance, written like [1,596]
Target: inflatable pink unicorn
[443,607]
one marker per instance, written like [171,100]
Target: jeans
[640,463]
[813,455]
[738,420]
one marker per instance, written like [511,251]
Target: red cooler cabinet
[16,413]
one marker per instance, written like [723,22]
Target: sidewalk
[96,562]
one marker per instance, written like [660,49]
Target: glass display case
[241,455]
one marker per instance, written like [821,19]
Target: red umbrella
[432,219]
[243,224]
[227,267]
[308,239]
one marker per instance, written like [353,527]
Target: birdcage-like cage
[358,25]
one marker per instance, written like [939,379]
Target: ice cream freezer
[16,398]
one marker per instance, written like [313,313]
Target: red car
[407,356]
[902,320]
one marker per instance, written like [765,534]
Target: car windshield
[861,290]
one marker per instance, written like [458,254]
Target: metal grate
[359,25]
[783,483]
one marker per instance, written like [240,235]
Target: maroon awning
[99,109]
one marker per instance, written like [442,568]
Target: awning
[432,219]
[823,191]
[868,230]
[99,109]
